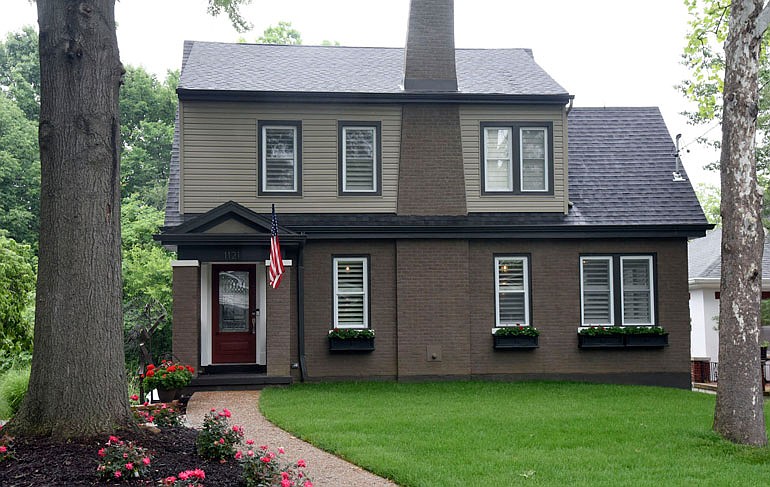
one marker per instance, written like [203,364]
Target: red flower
[150,367]
[150,373]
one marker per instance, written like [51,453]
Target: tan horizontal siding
[219,156]
[470,120]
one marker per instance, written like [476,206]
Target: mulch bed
[43,461]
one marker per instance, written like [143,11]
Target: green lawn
[538,433]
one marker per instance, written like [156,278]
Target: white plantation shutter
[498,161]
[359,158]
[350,293]
[512,289]
[534,159]
[596,284]
[279,158]
[637,290]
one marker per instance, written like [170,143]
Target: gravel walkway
[325,469]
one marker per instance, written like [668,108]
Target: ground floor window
[351,292]
[617,290]
[511,291]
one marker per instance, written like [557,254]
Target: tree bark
[739,412]
[78,387]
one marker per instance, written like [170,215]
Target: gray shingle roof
[620,165]
[704,259]
[334,69]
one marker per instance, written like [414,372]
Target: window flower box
[515,338]
[622,337]
[351,340]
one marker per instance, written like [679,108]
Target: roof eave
[186,94]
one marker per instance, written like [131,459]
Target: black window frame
[297,125]
[342,124]
[617,278]
[516,157]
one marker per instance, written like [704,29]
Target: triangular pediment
[229,218]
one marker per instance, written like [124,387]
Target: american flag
[276,262]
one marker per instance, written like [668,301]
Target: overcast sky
[605,52]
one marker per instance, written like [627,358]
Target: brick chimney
[429,57]
[431,180]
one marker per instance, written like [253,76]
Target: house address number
[232,255]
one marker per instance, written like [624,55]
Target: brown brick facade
[279,325]
[185,341]
[431,180]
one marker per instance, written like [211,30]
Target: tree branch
[763,21]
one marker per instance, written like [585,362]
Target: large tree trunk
[78,387]
[739,413]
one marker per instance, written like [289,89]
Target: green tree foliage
[146,276]
[232,9]
[283,33]
[704,57]
[17,287]
[709,198]
[19,174]
[147,111]
[20,70]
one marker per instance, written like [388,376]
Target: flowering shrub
[351,333]
[517,331]
[188,478]
[163,415]
[217,440]
[6,447]
[264,468]
[120,460]
[168,376]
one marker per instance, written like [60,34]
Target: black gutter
[301,311]
[399,97]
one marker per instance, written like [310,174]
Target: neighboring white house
[704,264]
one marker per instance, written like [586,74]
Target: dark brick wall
[430,45]
[319,311]
[433,308]
[431,180]
[186,316]
[279,324]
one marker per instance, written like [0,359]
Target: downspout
[571,99]
[301,310]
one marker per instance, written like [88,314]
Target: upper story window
[351,292]
[511,291]
[280,167]
[617,286]
[516,158]
[359,158]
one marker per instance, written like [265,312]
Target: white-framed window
[617,290]
[280,157]
[511,291]
[596,291]
[498,159]
[351,293]
[637,292]
[359,154]
[533,164]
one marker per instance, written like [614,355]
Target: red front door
[234,305]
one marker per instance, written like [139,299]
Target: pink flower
[213,410]
[236,428]
[301,463]
[199,473]
[134,397]
[263,447]
[285,483]
[125,455]
[250,453]
[265,459]
[281,450]
[249,442]
[169,480]
[271,455]
[227,412]
[146,460]
[307,484]
[221,441]
[184,475]
[238,455]
[118,474]
[101,452]
[3,449]
[284,475]
[129,466]
[114,439]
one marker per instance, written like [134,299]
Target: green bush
[13,386]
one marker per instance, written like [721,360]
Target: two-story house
[430,194]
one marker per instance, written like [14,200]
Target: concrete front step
[234,381]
